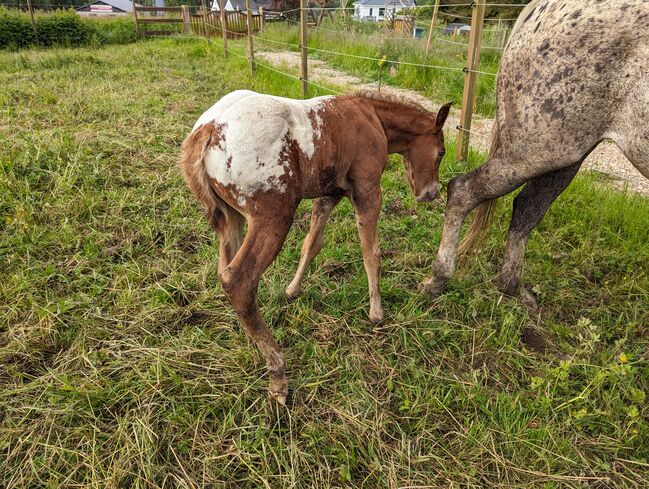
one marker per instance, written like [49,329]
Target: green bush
[15,29]
[119,30]
[63,28]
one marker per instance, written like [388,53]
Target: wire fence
[334,33]
[329,33]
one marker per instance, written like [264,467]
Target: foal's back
[258,140]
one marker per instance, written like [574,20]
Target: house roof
[386,3]
[124,5]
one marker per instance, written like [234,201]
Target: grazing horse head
[423,157]
[417,135]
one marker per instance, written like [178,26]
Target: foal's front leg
[367,207]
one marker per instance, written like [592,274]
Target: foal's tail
[193,168]
[485,212]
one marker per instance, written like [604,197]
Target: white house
[376,10]
[232,5]
[107,7]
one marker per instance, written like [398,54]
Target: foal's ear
[443,114]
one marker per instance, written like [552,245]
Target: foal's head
[423,156]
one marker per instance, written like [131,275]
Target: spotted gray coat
[573,74]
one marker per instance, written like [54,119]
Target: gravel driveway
[606,158]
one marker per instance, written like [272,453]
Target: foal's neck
[401,122]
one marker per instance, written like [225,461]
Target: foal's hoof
[293,292]
[431,287]
[377,317]
[278,390]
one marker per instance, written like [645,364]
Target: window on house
[381,12]
[371,12]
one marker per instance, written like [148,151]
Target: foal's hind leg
[530,206]
[320,213]
[230,234]
[240,282]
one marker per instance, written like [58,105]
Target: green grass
[122,365]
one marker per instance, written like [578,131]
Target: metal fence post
[473,62]
[251,52]
[432,26]
[303,49]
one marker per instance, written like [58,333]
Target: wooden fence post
[31,13]
[468,99]
[251,52]
[432,27]
[303,49]
[261,19]
[137,28]
[224,26]
[207,34]
[187,21]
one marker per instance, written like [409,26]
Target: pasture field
[122,365]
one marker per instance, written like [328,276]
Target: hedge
[62,28]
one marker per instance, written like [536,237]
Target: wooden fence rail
[203,23]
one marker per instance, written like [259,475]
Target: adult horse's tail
[485,212]
[193,168]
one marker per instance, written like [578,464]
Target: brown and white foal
[254,157]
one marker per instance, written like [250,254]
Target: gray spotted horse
[573,74]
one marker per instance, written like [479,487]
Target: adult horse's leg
[240,281]
[320,213]
[494,179]
[367,207]
[530,205]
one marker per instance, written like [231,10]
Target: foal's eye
[441,154]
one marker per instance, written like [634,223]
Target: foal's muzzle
[429,193]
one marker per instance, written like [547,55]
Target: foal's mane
[391,98]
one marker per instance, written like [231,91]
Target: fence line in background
[204,22]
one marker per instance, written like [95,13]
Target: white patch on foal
[255,129]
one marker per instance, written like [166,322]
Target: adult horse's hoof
[431,287]
[528,300]
[278,390]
